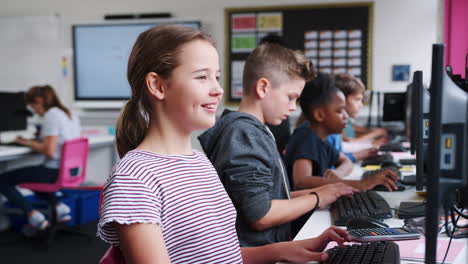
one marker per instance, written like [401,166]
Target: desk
[321,219]
[101,158]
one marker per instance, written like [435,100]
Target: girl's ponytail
[131,127]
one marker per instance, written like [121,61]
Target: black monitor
[394,107]
[447,146]
[13,111]
[418,122]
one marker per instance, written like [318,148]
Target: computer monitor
[13,111]
[100,56]
[418,122]
[447,146]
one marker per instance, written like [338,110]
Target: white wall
[403,29]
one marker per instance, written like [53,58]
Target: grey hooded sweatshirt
[244,153]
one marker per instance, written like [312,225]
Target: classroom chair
[72,173]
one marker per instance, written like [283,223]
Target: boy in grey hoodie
[243,150]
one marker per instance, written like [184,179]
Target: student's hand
[310,249]
[330,192]
[387,177]
[365,153]
[22,141]
[331,174]
[380,132]
[380,141]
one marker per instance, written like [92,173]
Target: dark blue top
[306,144]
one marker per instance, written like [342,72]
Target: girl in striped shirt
[164,202]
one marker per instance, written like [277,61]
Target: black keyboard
[393,147]
[367,203]
[11,144]
[377,160]
[382,188]
[385,252]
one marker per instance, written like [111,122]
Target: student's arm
[344,166]
[285,211]
[48,147]
[142,243]
[299,251]
[302,170]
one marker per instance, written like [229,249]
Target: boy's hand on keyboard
[329,193]
[301,251]
[388,178]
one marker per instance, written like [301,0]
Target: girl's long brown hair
[48,95]
[155,50]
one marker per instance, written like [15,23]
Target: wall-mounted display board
[336,37]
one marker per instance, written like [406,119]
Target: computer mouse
[382,188]
[360,222]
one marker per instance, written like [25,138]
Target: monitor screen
[447,146]
[101,52]
[13,111]
[418,100]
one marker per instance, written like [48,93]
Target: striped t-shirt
[181,193]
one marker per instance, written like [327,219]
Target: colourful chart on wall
[336,37]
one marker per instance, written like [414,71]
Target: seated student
[308,155]
[59,125]
[164,202]
[281,132]
[243,150]
[353,90]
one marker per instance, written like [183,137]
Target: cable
[450,240]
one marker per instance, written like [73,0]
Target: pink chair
[72,173]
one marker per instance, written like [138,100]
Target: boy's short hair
[275,63]
[349,84]
[317,93]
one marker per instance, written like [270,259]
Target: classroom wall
[403,29]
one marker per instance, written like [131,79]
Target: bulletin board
[336,37]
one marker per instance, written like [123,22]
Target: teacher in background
[59,125]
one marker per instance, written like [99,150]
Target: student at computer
[164,202]
[308,155]
[58,125]
[243,150]
[354,89]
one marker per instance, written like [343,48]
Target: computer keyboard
[367,203]
[377,160]
[385,252]
[11,144]
[382,188]
[393,147]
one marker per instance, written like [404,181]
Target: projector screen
[100,55]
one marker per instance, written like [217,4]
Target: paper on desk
[414,249]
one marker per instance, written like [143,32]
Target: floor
[68,248]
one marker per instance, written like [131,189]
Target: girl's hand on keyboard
[388,178]
[329,193]
[301,251]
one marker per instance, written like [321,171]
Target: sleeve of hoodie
[244,163]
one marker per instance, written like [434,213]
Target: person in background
[244,153]
[164,202]
[354,89]
[58,126]
[309,156]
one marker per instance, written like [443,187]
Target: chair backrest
[73,161]
[72,171]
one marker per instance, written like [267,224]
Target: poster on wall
[246,31]
[335,37]
[334,51]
